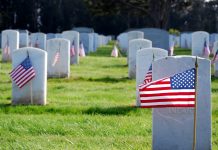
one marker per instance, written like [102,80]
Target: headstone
[50,36]
[215,47]
[58,35]
[38,40]
[159,38]
[87,40]
[35,91]
[96,41]
[134,46]
[213,38]
[198,41]
[174,40]
[186,40]
[10,42]
[84,30]
[73,37]
[144,59]
[123,41]
[135,35]
[173,127]
[24,38]
[58,67]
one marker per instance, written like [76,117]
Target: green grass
[93,109]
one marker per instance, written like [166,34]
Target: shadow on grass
[214,79]
[115,66]
[119,110]
[109,79]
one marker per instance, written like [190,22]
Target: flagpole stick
[31,92]
[195,108]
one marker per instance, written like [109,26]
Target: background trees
[108,17]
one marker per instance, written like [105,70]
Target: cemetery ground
[93,109]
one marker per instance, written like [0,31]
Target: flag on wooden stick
[23,73]
[174,91]
[114,52]
[148,76]
[72,49]
[7,48]
[206,50]
[81,50]
[215,58]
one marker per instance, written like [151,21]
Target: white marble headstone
[24,39]
[123,41]
[73,36]
[135,35]
[35,91]
[38,40]
[198,39]
[10,42]
[186,40]
[134,46]
[173,127]
[144,58]
[60,68]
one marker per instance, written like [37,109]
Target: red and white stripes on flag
[206,50]
[174,91]
[23,73]
[7,49]
[56,58]
[72,50]
[114,52]
[148,76]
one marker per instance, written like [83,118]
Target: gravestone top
[83,29]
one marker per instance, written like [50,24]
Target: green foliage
[93,109]
[174,31]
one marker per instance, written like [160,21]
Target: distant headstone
[213,38]
[174,40]
[58,35]
[35,91]
[216,69]
[38,40]
[134,46]
[123,41]
[84,30]
[159,38]
[87,40]
[135,35]
[173,127]
[198,42]
[50,36]
[73,37]
[96,41]
[23,38]
[10,42]
[144,59]
[186,40]
[58,58]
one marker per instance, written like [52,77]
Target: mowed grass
[93,109]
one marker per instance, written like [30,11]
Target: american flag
[72,50]
[81,50]
[56,58]
[206,50]
[7,48]
[148,76]
[174,91]
[23,73]
[114,52]
[171,50]
[36,43]
[215,58]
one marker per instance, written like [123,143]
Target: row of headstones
[173,127]
[16,40]
[163,39]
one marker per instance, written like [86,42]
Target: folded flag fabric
[23,73]
[206,50]
[81,50]
[114,52]
[175,91]
[56,58]
[72,50]
[215,58]
[148,76]
[7,48]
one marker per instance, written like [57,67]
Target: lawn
[93,109]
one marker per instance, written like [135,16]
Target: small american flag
[82,50]
[148,76]
[215,58]
[7,48]
[36,43]
[23,73]
[56,58]
[206,50]
[171,50]
[174,91]
[72,50]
